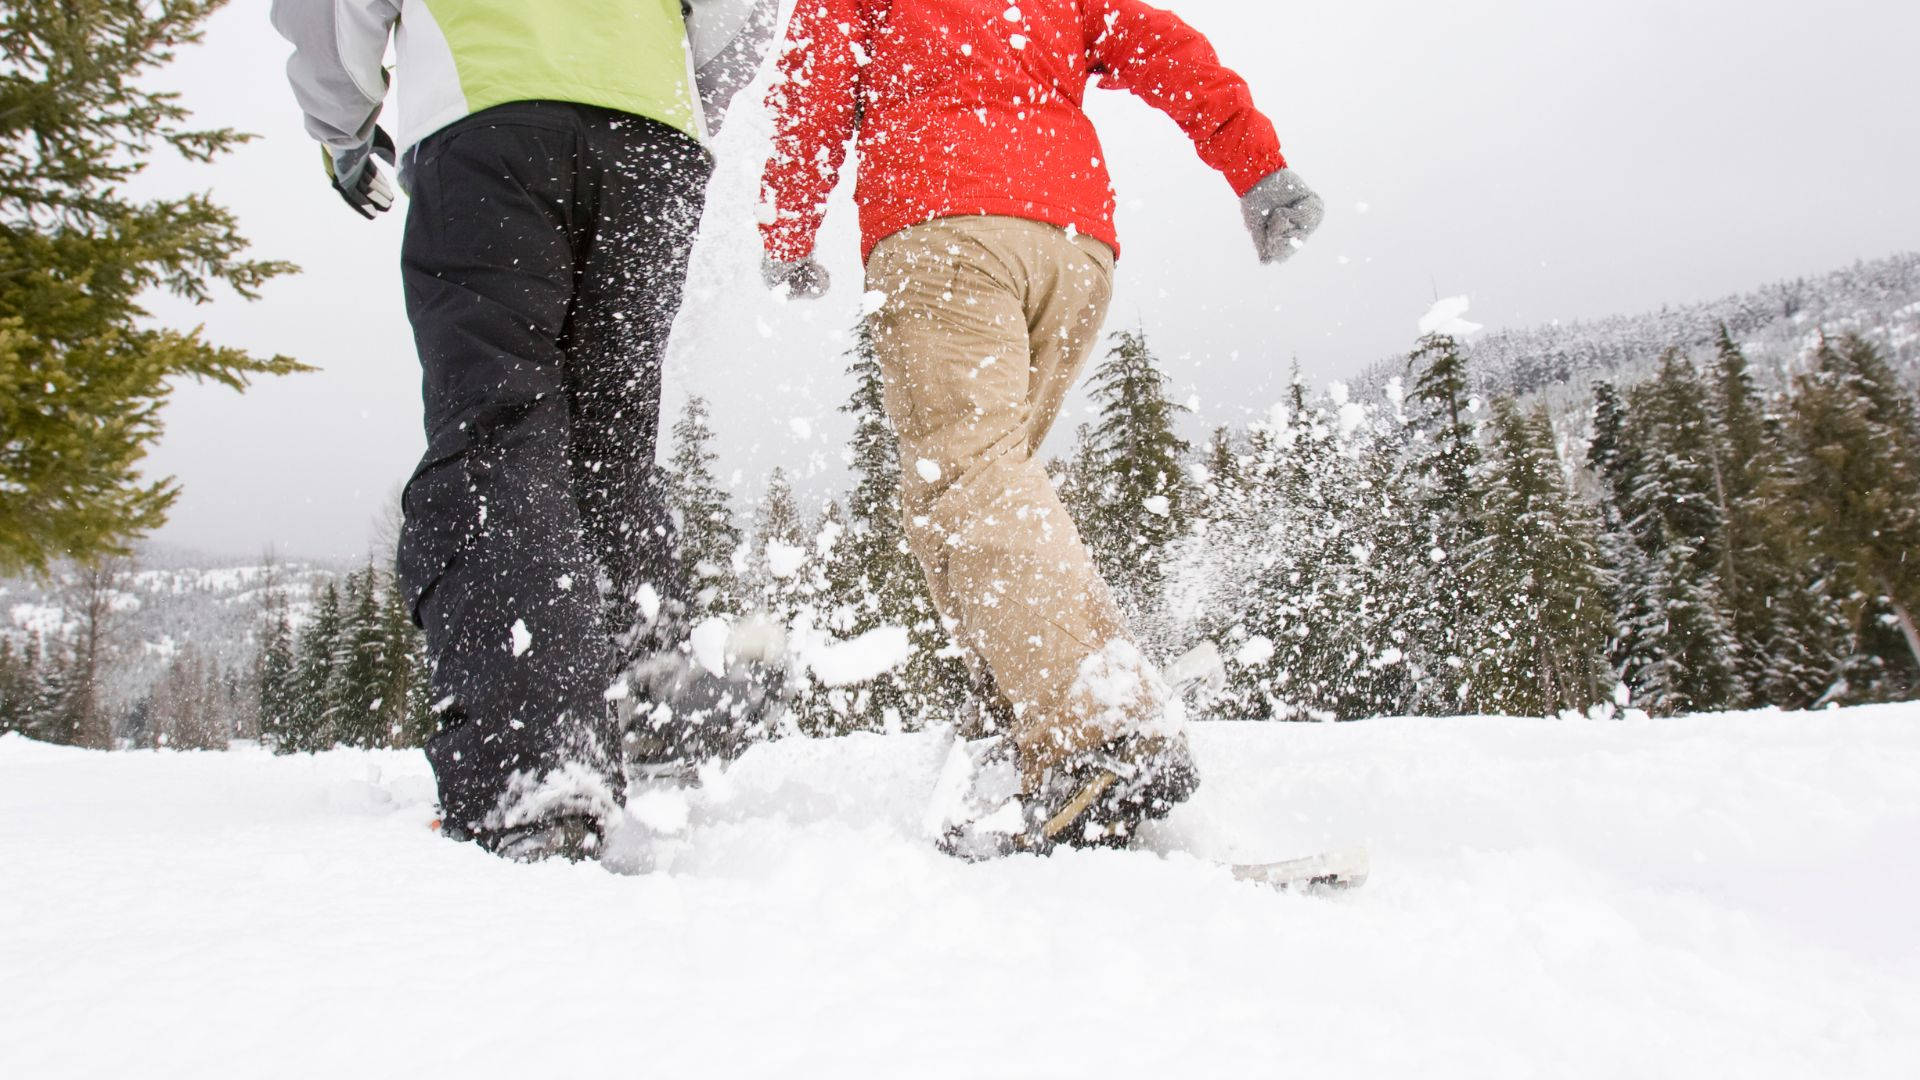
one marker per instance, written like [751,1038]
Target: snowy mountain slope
[1716,896]
[168,600]
[1776,324]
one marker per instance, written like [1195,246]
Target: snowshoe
[677,713]
[573,837]
[977,812]
[1097,800]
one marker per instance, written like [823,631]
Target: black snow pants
[545,254]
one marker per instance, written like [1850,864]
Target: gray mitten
[801,277]
[1281,212]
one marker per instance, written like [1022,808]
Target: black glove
[357,179]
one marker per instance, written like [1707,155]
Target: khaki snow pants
[985,327]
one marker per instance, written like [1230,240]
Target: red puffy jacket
[974,107]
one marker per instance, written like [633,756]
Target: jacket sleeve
[729,42]
[335,68]
[1172,66]
[813,104]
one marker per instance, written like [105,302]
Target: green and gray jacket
[676,61]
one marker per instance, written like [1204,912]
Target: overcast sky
[1551,160]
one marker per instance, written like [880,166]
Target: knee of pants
[966,464]
[499,466]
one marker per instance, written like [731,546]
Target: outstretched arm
[813,102]
[1173,67]
[1170,65]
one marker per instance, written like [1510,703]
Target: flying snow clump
[1448,317]
[1257,650]
[785,560]
[709,641]
[867,657]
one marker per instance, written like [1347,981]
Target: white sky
[1552,160]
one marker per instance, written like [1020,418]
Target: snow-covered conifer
[708,536]
[1139,464]
[1544,616]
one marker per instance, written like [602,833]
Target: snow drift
[1713,896]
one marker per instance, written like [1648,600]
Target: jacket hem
[876,228]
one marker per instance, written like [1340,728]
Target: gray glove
[1281,212]
[354,176]
[803,278]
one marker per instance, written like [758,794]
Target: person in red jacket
[986,217]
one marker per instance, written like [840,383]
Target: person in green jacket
[555,157]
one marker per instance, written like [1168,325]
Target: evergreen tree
[1685,659]
[1751,574]
[405,719]
[359,682]
[84,370]
[1443,447]
[1676,499]
[1394,528]
[1889,405]
[53,717]
[1293,578]
[309,719]
[1545,617]
[19,683]
[872,578]
[1809,636]
[1077,479]
[873,573]
[1139,468]
[1616,462]
[276,676]
[1853,471]
[708,537]
[779,545]
[1443,410]
[1610,454]
[1673,646]
[1226,479]
[778,519]
[1741,415]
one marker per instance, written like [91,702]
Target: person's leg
[970,396]
[493,552]
[648,184]
[1065,308]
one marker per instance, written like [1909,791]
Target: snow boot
[1097,799]
[573,837]
[1100,798]
[676,713]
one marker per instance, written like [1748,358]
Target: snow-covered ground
[1721,896]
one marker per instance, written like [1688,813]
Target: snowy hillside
[1715,896]
[1777,324]
[163,601]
